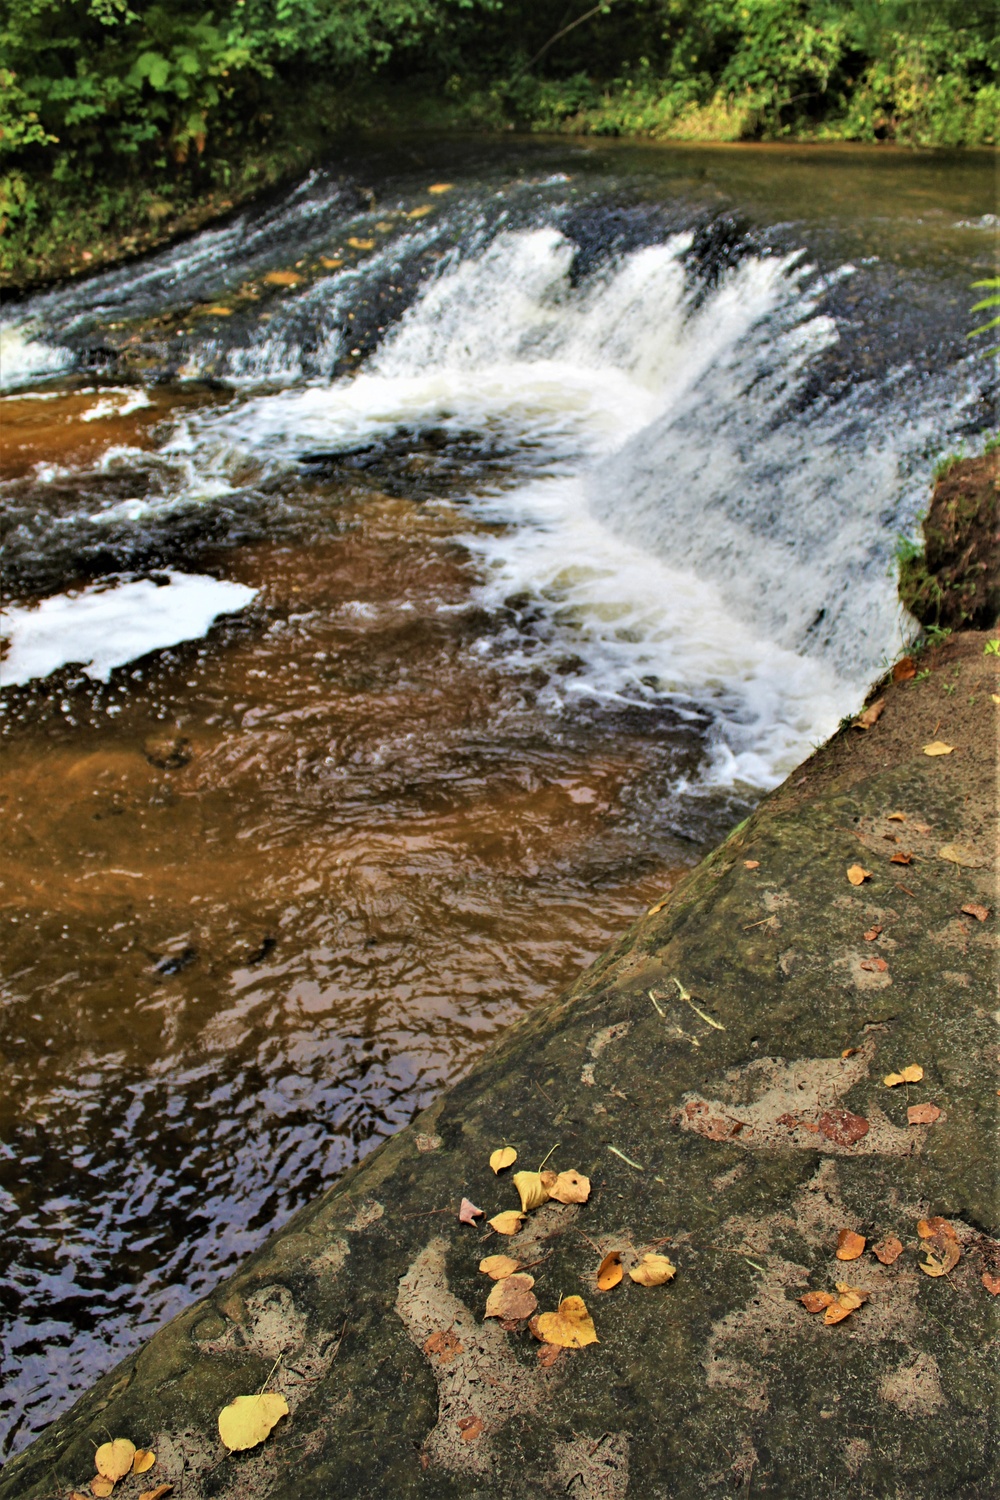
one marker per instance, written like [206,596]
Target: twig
[548,1154]
[616,1152]
[748,925]
[685,996]
[267,1378]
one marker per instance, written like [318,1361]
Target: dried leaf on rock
[751,864]
[836,1313]
[911,1074]
[850,1297]
[247,1420]
[548,1354]
[503,1156]
[357,244]
[872,934]
[842,1127]
[902,858]
[570,1326]
[888,1250]
[444,1343]
[470,1428]
[857,874]
[991,1283]
[871,715]
[874,965]
[143,1461]
[896,817]
[609,1272]
[158,1493]
[531,1190]
[922,1114]
[469,1213]
[938,747]
[114,1460]
[512,1298]
[904,670]
[570,1187]
[850,1245]
[653,1270]
[961,854]
[815,1302]
[508,1222]
[973,909]
[101,1487]
[282,278]
[941,1249]
[498,1266]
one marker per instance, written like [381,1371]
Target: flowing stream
[405,582]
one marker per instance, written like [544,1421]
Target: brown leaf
[857,874]
[973,909]
[504,1156]
[444,1343]
[751,864]
[548,1354]
[653,1270]
[938,747]
[570,1187]
[922,1114]
[469,1213]
[508,1222]
[841,1127]
[991,1283]
[815,1302]
[498,1266]
[888,1250]
[470,1428]
[871,715]
[941,1249]
[143,1461]
[904,669]
[570,1326]
[531,1190]
[849,1052]
[874,965]
[609,1272]
[902,858]
[158,1493]
[850,1245]
[872,934]
[512,1298]
[910,1074]
[836,1313]
[114,1460]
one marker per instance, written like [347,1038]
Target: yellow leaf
[503,1156]
[247,1420]
[911,1074]
[531,1189]
[357,244]
[101,1486]
[440,187]
[570,1326]
[512,1298]
[114,1460]
[857,874]
[219,312]
[836,1313]
[421,212]
[938,747]
[961,854]
[158,1493]
[282,278]
[570,1187]
[609,1272]
[498,1266]
[850,1245]
[331,262]
[506,1223]
[143,1460]
[851,1297]
[653,1270]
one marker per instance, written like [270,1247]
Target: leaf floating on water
[357,244]
[469,1213]
[570,1326]
[504,1156]
[815,1302]
[871,715]
[938,747]
[440,187]
[531,1190]
[508,1222]
[653,1270]
[911,1074]
[857,874]
[850,1245]
[282,278]
[114,1460]
[512,1298]
[973,909]
[570,1187]
[922,1114]
[247,1420]
[609,1272]
[888,1250]
[496,1267]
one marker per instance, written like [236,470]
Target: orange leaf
[445,1344]
[904,669]
[470,1428]
[570,1187]
[158,1493]
[872,934]
[282,278]
[871,715]
[815,1302]
[751,864]
[850,1245]
[609,1272]
[143,1461]
[857,874]
[923,1114]
[508,1222]
[548,1354]
[973,909]
[836,1313]
[888,1250]
[902,858]
[991,1283]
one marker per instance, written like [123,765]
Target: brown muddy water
[564,506]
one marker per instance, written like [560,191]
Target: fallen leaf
[938,747]
[751,864]
[941,1249]
[470,1428]
[973,909]
[508,1222]
[871,715]
[848,1052]
[927,1228]
[923,1114]
[357,244]
[421,212]
[850,1245]
[851,1297]
[512,1298]
[653,1270]
[991,1283]
[911,1074]
[570,1326]
[570,1187]
[896,817]
[143,1461]
[609,1272]
[101,1486]
[904,669]
[548,1354]
[218,312]
[872,934]
[874,965]
[841,1127]
[901,858]
[961,854]
[114,1460]
[503,1156]
[443,1343]
[282,278]
[247,1420]
[331,262]
[469,1213]
[857,874]
[75,1495]
[815,1302]
[836,1313]
[531,1190]
[888,1250]
[440,187]
[498,1266]
[158,1493]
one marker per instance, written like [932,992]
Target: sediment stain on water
[266,891]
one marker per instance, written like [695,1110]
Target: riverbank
[726,1077]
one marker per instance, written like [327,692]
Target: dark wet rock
[718,1074]
[168,753]
[955,581]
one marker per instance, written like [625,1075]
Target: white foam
[24,358]
[110,624]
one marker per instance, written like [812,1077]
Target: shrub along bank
[122,121]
